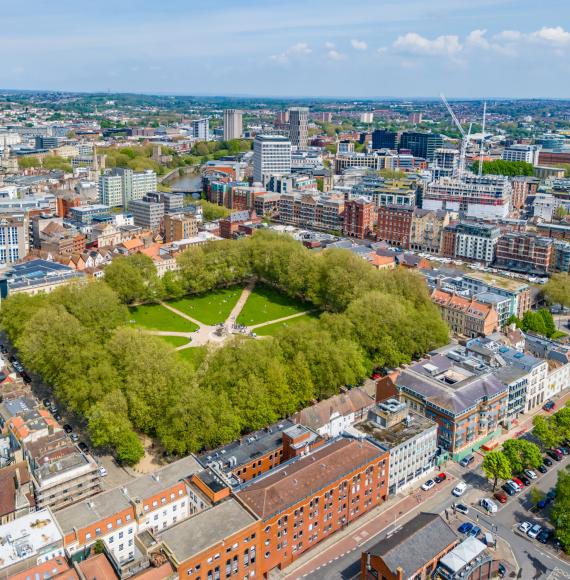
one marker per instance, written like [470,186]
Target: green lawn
[156,317]
[175,341]
[271,329]
[211,307]
[194,355]
[265,304]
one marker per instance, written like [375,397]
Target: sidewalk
[363,529]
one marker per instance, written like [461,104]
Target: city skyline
[264,49]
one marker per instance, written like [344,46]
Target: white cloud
[413,43]
[508,36]
[358,44]
[299,49]
[329,45]
[335,55]
[552,35]
[476,38]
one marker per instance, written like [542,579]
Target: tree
[98,547]
[28,162]
[503,167]
[560,212]
[496,466]
[557,290]
[522,454]
[561,509]
[212,211]
[546,431]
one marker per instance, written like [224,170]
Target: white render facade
[271,155]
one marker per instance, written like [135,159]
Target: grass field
[265,304]
[175,341]
[209,308]
[271,329]
[156,317]
[194,355]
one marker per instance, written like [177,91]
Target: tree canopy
[496,466]
[557,290]
[503,167]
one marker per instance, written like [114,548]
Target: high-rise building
[13,237]
[421,144]
[201,129]
[281,117]
[382,139]
[233,124]
[298,129]
[271,155]
[147,212]
[446,163]
[476,241]
[120,186]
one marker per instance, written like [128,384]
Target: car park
[489,505]
[440,477]
[542,468]
[462,509]
[534,531]
[525,527]
[465,528]
[474,531]
[509,490]
[459,489]
[547,461]
[530,474]
[500,496]
[555,454]
[428,484]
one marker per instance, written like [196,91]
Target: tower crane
[482,138]
[465,137]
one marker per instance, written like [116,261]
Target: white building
[367,117]
[446,163]
[271,155]
[233,124]
[119,186]
[476,241]
[201,130]
[519,152]
[298,126]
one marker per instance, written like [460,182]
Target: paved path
[279,320]
[184,315]
[236,310]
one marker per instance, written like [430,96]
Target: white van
[489,505]
[459,489]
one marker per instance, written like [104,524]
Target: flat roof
[27,536]
[206,529]
[510,284]
[463,554]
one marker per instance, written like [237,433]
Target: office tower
[382,139]
[14,230]
[421,144]
[271,155]
[201,129]
[298,130]
[148,211]
[520,152]
[119,186]
[233,124]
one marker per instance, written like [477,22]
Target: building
[521,152]
[271,155]
[421,145]
[460,394]
[28,541]
[267,204]
[315,211]
[201,129]
[350,159]
[470,560]
[426,229]
[14,238]
[298,127]
[120,186]
[16,492]
[410,438]
[446,163]
[472,196]
[394,224]
[413,551]
[526,252]
[179,226]
[523,186]
[331,417]
[516,379]
[233,124]
[475,241]
[466,316]
[308,499]
[383,139]
[148,212]
[85,214]
[358,218]
[36,276]
[501,305]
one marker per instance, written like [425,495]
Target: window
[97,531]
[155,503]
[121,535]
[121,547]
[119,522]
[87,536]
[162,500]
[109,526]
[111,539]
[128,518]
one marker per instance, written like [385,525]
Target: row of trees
[503,167]
[50,162]
[123,380]
[539,321]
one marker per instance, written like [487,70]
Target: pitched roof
[295,481]
[461,304]
[415,544]
[8,486]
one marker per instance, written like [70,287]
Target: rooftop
[206,529]
[301,478]
[415,544]
[492,280]
[462,555]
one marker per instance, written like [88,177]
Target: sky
[289,48]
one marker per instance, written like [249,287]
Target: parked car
[547,461]
[548,406]
[68,428]
[102,471]
[428,484]
[501,571]
[83,447]
[526,480]
[514,485]
[525,527]
[551,494]
[440,477]
[563,450]
[534,531]
[57,417]
[462,508]
[542,468]
[500,496]
[489,505]
[518,482]
[465,528]
[530,474]
[508,489]
[467,460]
[459,489]
[47,403]
[543,503]
[74,437]
[474,531]
[555,454]
[26,377]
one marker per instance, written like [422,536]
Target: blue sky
[369,48]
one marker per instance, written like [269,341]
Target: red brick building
[447,248]
[524,252]
[358,218]
[307,500]
[394,225]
